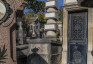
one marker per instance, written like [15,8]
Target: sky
[60,3]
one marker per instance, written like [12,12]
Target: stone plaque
[50,26]
[51,4]
[71,1]
[51,15]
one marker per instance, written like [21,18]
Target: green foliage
[36,6]
[29,15]
[41,16]
[3,54]
[60,14]
[37,10]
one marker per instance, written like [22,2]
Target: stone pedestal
[44,51]
[51,17]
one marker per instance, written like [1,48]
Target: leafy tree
[41,16]
[3,54]
[36,6]
[29,15]
[37,10]
[60,14]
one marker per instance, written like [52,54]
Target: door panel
[77,38]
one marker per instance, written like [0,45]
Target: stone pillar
[90,36]
[51,19]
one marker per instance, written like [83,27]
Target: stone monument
[8,9]
[47,50]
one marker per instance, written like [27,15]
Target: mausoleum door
[77,37]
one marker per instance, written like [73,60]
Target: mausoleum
[77,32]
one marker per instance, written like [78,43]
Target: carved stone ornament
[5,11]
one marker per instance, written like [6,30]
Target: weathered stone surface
[50,34]
[42,51]
[8,33]
[71,1]
[85,3]
[39,53]
[42,48]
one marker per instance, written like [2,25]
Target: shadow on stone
[92,52]
[35,58]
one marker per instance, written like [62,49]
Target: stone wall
[8,32]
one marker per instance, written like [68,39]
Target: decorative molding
[8,11]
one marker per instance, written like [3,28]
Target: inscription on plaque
[50,3]
[51,26]
[53,15]
[50,14]
[71,1]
